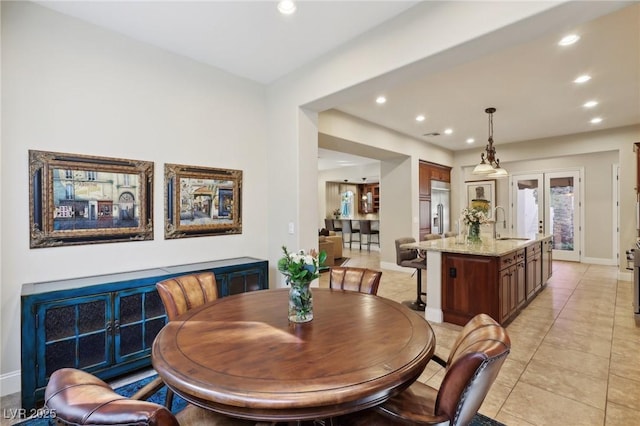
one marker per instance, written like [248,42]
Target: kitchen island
[497,277]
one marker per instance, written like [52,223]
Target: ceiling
[530,84]
[250,39]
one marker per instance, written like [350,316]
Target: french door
[549,203]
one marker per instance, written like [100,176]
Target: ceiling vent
[432,134]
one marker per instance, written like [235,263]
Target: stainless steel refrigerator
[440,205]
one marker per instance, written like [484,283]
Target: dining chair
[366,229]
[473,364]
[80,398]
[409,258]
[347,229]
[355,279]
[178,295]
[181,293]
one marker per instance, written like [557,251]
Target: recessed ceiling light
[582,79]
[569,40]
[448,131]
[381,100]
[596,120]
[420,118]
[286,7]
[471,140]
[590,104]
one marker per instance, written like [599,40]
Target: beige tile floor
[575,356]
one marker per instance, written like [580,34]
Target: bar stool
[365,229]
[409,258]
[347,228]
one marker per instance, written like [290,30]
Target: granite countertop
[488,247]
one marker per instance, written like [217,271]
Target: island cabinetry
[511,284]
[470,287]
[521,279]
[547,259]
[534,269]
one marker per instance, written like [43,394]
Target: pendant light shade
[489,165]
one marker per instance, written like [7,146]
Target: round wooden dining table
[240,356]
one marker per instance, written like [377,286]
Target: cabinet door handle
[108,327]
[116,326]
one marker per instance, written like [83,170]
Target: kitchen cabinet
[106,324]
[534,269]
[469,287]
[426,173]
[368,198]
[547,259]
[512,284]
[499,286]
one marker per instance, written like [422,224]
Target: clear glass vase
[300,302]
[474,233]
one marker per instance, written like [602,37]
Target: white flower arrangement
[301,267]
[473,216]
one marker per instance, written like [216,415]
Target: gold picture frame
[202,201]
[81,199]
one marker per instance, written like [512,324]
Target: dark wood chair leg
[168,402]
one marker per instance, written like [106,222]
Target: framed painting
[202,201]
[81,199]
[481,194]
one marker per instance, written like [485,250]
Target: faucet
[495,221]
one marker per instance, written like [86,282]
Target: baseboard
[599,261]
[625,276]
[433,315]
[10,383]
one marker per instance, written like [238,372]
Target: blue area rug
[179,404]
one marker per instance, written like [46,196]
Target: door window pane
[528,199]
[562,205]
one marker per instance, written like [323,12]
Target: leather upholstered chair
[80,398]
[179,294]
[355,279]
[409,258]
[473,364]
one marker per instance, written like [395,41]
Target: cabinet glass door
[73,333]
[140,316]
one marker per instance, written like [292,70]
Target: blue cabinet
[106,324]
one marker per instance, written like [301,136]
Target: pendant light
[490,166]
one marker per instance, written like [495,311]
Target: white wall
[394,149]
[69,86]
[595,152]
[72,87]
